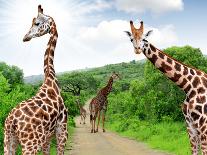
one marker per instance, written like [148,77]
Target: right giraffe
[191,80]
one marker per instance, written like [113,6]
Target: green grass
[167,136]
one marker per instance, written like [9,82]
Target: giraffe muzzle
[25,39]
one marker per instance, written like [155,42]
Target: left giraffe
[33,122]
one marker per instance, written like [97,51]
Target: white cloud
[111,44]
[155,6]
[163,36]
[78,45]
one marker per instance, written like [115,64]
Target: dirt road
[108,143]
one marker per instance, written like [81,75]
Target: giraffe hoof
[96,130]
[104,130]
[91,131]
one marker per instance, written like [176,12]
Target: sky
[91,31]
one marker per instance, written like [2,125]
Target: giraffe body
[192,81]
[33,122]
[98,104]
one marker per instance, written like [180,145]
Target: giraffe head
[40,25]
[115,76]
[136,36]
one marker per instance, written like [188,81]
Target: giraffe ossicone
[33,122]
[192,81]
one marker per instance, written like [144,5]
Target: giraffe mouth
[25,39]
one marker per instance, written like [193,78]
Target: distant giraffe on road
[99,103]
[33,122]
[191,80]
[82,111]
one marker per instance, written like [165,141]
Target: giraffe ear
[128,33]
[148,34]
[40,10]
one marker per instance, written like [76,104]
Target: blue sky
[91,32]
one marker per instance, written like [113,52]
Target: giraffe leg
[80,119]
[10,144]
[194,138]
[203,138]
[61,136]
[94,125]
[84,118]
[46,148]
[103,121]
[98,121]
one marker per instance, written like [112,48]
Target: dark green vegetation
[151,110]
[144,104]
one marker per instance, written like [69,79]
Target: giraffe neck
[107,89]
[182,75]
[49,70]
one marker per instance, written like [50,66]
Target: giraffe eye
[131,40]
[37,24]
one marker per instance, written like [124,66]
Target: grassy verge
[167,136]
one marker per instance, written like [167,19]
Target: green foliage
[75,82]
[162,136]
[13,74]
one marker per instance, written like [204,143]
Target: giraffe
[82,111]
[33,122]
[191,80]
[98,104]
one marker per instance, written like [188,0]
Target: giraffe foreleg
[61,136]
[46,148]
[84,118]
[81,118]
[98,121]
[10,143]
[103,121]
[193,136]
[203,139]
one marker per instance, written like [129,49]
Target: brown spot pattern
[183,83]
[152,48]
[201,90]
[187,88]
[176,77]
[153,59]
[185,71]
[192,94]
[27,111]
[177,66]
[195,116]
[161,55]
[198,108]
[192,72]
[169,60]
[196,82]
[51,94]
[204,81]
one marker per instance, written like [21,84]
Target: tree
[13,74]
[75,82]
